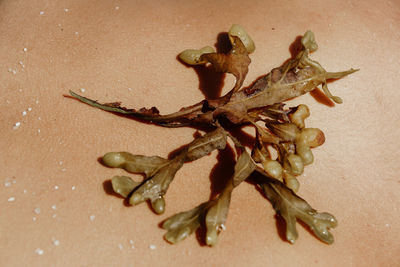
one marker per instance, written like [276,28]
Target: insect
[277,129]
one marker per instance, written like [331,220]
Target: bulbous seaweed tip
[113,159]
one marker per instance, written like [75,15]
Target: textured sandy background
[52,199]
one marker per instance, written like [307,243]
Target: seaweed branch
[278,130]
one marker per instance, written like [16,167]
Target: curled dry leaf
[236,62]
[282,144]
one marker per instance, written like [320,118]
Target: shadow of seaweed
[223,45]
[222,172]
[320,97]
[295,47]
[210,82]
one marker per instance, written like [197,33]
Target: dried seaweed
[276,128]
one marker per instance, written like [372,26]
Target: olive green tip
[113,159]
[158,205]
